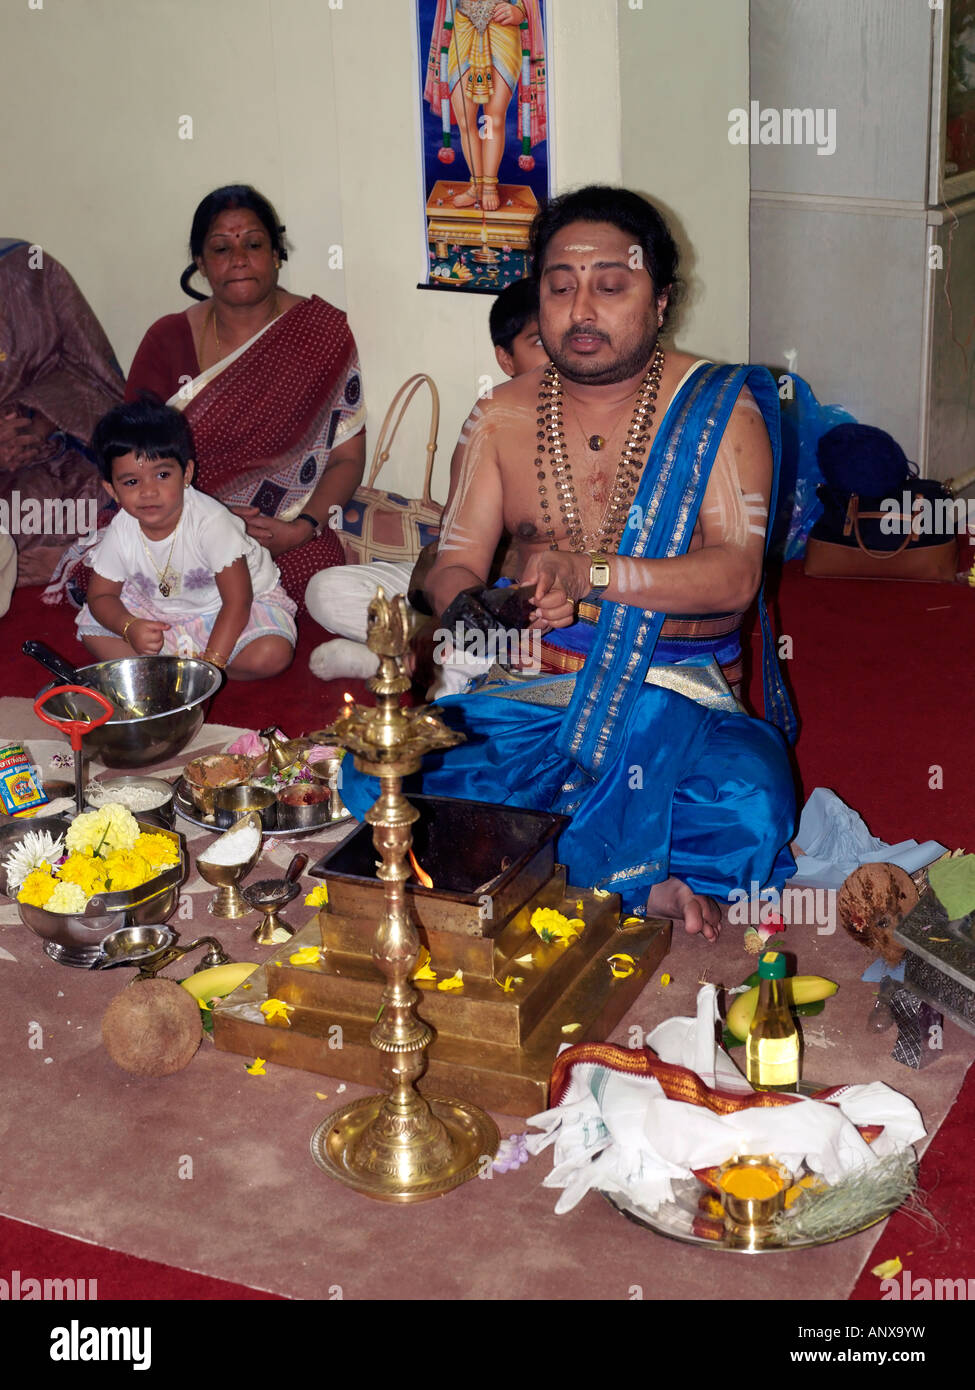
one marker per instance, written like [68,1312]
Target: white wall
[683,67]
[97,173]
[316,107]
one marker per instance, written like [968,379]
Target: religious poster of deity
[484,122]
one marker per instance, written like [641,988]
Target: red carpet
[28,1250]
[297,701]
[877,670]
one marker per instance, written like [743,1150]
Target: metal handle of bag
[853,515]
[384,444]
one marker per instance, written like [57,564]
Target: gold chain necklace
[552,455]
[212,318]
[164,588]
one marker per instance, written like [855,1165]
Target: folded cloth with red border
[631,1122]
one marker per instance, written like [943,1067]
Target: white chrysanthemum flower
[36,848]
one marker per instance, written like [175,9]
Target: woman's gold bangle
[126,628]
[214,658]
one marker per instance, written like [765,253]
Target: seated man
[653,480]
[339,598]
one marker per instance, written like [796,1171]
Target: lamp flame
[422,875]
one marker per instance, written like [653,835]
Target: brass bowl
[227,902]
[230,803]
[748,1220]
[213,772]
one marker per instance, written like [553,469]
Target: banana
[802,989]
[218,981]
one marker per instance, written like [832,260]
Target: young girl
[175,572]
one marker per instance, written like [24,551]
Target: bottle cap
[772,966]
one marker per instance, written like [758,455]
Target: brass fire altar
[520,999]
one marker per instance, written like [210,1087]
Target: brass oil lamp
[398,1147]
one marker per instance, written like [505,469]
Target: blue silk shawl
[656,784]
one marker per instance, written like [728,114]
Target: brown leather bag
[931,564]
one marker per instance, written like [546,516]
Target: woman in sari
[269,383]
[58,375]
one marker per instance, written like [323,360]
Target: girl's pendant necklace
[165,588]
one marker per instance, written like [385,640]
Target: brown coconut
[872,903]
[152,1028]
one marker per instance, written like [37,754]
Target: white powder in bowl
[235,847]
[129,794]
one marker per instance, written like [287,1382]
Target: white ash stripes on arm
[737,513]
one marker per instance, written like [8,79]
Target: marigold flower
[554,927]
[86,870]
[621,965]
[124,870]
[318,897]
[37,887]
[256,1068]
[424,970]
[308,955]
[276,1008]
[158,851]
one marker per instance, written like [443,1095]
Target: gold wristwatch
[598,571]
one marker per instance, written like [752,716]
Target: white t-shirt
[209,537]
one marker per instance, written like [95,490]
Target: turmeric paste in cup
[753,1188]
[752,1183]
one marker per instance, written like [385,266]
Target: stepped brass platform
[493,1046]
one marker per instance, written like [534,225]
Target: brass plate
[188,812]
[474,1136]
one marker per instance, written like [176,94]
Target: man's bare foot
[468,198]
[675,899]
[489,197]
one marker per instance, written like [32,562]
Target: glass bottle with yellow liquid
[772,1047]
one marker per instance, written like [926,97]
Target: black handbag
[906,532]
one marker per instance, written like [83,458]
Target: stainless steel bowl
[109,787]
[75,938]
[161,703]
[292,815]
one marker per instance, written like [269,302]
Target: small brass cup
[230,803]
[226,877]
[749,1220]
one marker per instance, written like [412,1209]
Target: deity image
[481,54]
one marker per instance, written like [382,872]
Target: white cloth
[621,1134]
[209,537]
[339,599]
